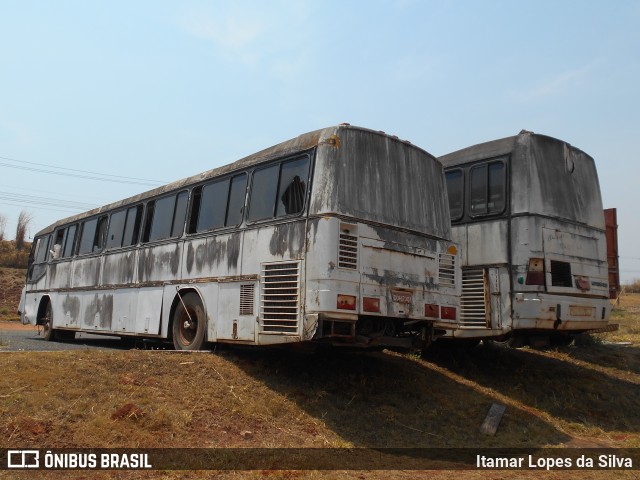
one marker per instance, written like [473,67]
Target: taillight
[448,313]
[535,272]
[431,310]
[370,304]
[346,302]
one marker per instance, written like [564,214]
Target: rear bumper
[544,312]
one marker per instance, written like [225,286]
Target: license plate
[401,297]
[577,311]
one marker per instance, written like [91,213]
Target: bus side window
[148,219]
[70,241]
[56,250]
[293,178]
[116,229]
[455,190]
[87,236]
[194,212]
[101,234]
[180,214]
[213,205]
[237,196]
[263,193]
[132,227]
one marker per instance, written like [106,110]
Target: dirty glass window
[88,236]
[455,189]
[70,241]
[180,214]
[162,218]
[42,248]
[263,193]
[487,189]
[496,194]
[213,204]
[194,213]
[116,228]
[132,226]
[101,234]
[236,200]
[293,186]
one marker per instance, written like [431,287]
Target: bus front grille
[280,297]
[473,308]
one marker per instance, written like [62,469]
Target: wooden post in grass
[490,424]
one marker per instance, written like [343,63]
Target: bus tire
[189,325]
[47,324]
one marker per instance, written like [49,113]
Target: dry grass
[583,396]
[11,283]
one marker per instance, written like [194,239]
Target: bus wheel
[47,324]
[189,323]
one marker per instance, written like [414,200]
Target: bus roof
[494,148]
[301,143]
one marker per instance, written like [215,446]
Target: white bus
[527,213]
[329,237]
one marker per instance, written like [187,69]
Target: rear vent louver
[473,304]
[246,299]
[280,298]
[348,251]
[447,270]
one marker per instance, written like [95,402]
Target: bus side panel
[485,243]
[209,261]
[119,268]
[59,274]
[284,246]
[156,264]
[86,271]
[96,310]
[67,311]
[124,310]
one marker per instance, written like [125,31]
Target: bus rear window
[487,189]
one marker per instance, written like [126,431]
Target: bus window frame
[149,217]
[279,163]
[503,160]
[192,224]
[462,192]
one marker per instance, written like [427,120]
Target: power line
[76,173]
[46,201]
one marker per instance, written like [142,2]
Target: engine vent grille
[447,270]
[247,295]
[280,298]
[348,251]
[473,304]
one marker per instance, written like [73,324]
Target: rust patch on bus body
[287,238]
[102,305]
[71,304]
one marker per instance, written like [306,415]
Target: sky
[103,100]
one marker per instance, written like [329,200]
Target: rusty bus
[328,237]
[527,213]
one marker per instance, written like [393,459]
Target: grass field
[575,396]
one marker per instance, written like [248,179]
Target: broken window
[289,179]
[100,239]
[293,187]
